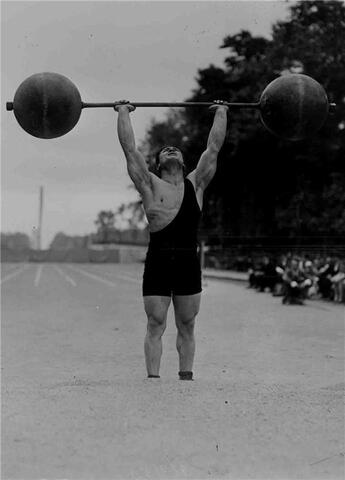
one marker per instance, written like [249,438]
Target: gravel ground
[266,403]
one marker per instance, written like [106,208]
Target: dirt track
[267,400]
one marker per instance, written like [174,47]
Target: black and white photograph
[172,240]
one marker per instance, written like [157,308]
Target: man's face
[170,154]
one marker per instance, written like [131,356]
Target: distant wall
[116,254]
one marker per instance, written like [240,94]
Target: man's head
[294,263]
[168,156]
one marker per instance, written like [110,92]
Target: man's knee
[156,323]
[186,310]
[156,309]
[185,322]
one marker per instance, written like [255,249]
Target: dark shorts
[170,273]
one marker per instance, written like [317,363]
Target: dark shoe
[186,375]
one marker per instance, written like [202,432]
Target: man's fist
[217,104]
[123,104]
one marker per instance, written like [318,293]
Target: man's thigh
[186,306]
[156,306]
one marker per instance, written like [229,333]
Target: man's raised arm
[136,164]
[207,164]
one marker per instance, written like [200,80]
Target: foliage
[61,241]
[105,224]
[15,241]
[127,224]
[130,216]
[265,185]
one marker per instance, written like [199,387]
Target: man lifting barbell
[293,107]
[172,204]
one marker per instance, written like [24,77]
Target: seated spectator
[255,274]
[280,269]
[338,283]
[311,273]
[326,272]
[295,283]
[269,276]
[263,275]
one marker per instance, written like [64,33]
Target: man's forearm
[125,131]
[218,131]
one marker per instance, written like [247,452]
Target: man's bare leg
[156,308]
[186,309]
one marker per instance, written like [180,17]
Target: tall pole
[40,216]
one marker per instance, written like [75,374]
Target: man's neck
[173,176]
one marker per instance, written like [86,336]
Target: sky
[140,51]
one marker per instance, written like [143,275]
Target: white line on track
[123,276]
[13,274]
[93,276]
[65,276]
[104,280]
[38,275]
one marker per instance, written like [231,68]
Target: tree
[61,241]
[15,241]
[131,216]
[174,130]
[105,225]
[266,185]
[314,38]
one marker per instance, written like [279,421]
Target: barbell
[48,105]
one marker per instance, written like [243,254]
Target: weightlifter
[172,204]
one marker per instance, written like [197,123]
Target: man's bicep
[206,168]
[138,170]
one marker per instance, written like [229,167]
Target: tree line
[266,186]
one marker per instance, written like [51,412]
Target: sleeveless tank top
[181,232]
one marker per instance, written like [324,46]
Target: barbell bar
[48,105]
[172,104]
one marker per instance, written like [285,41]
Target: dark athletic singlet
[172,266]
[181,232]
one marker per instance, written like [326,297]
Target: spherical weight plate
[294,106]
[47,105]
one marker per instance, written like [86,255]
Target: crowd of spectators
[297,278]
